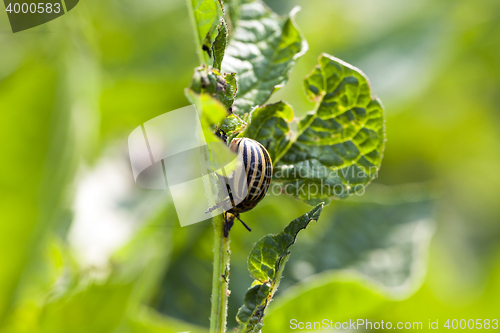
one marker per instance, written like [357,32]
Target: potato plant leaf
[208,16]
[232,126]
[262,52]
[270,125]
[338,147]
[266,264]
[220,43]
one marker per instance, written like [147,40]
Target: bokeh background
[82,249]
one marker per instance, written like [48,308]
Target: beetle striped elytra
[250,187]
[258,173]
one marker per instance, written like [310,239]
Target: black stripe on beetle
[259,171]
[258,174]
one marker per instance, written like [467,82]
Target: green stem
[220,278]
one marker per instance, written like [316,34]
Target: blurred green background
[82,249]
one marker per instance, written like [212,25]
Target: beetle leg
[228,223]
[221,134]
[244,224]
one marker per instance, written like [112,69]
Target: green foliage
[266,255]
[208,17]
[262,52]
[266,264]
[145,320]
[210,81]
[385,239]
[330,152]
[33,202]
[232,8]
[338,146]
[74,313]
[418,65]
[344,133]
[337,297]
[16,235]
[232,126]
[219,46]
[212,111]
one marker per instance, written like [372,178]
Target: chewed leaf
[270,125]
[219,45]
[266,264]
[208,16]
[252,311]
[264,259]
[262,52]
[339,146]
[212,82]
[232,126]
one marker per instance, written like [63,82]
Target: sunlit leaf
[262,51]
[220,43]
[338,148]
[208,15]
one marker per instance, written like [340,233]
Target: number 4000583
[34,8]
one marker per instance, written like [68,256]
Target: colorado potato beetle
[257,177]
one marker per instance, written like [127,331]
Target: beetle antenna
[244,224]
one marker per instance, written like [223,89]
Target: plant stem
[220,278]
